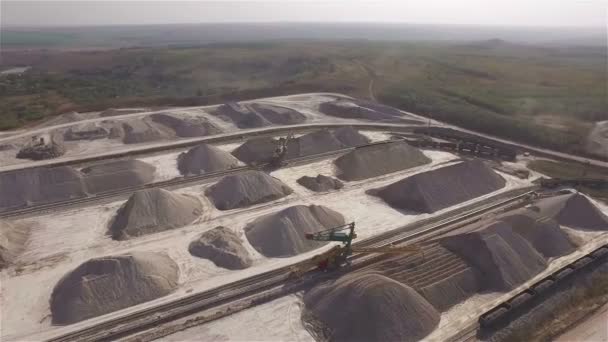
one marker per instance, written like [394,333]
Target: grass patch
[556,169]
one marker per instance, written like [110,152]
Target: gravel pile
[378,160]
[347,109]
[51,150]
[223,247]
[256,150]
[111,283]
[154,210]
[40,185]
[245,189]
[88,131]
[241,115]
[320,183]
[139,131]
[186,127]
[369,307]
[205,159]
[281,234]
[434,190]
[117,175]
[278,115]
[574,211]
[12,241]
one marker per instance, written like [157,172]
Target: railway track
[172,183]
[121,327]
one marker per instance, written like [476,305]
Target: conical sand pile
[139,131]
[282,234]
[241,115]
[575,211]
[441,188]
[117,175]
[108,284]
[245,189]
[325,141]
[154,210]
[12,241]
[278,115]
[205,159]
[256,150]
[370,307]
[186,127]
[223,247]
[377,160]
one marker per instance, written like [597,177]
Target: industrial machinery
[280,154]
[338,255]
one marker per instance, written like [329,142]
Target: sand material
[278,115]
[139,131]
[88,131]
[281,234]
[370,307]
[245,189]
[111,283]
[352,109]
[325,141]
[256,150]
[241,115]
[117,175]
[574,211]
[12,241]
[376,160]
[39,186]
[223,247]
[205,159]
[154,210]
[441,188]
[320,183]
[186,127]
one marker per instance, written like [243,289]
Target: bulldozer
[337,256]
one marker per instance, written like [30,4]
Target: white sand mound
[154,210]
[573,210]
[223,247]
[320,183]
[377,160]
[205,159]
[281,234]
[117,175]
[12,241]
[186,127]
[39,186]
[245,189]
[111,283]
[370,307]
[441,188]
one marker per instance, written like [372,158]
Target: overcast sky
[484,12]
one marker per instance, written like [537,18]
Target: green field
[548,97]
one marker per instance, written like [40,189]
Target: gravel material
[241,115]
[186,127]
[278,115]
[139,131]
[377,160]
[574,211]
[111,283]
[223,247]
[205,159]
[320,183]
[245,189]
[441,188]
[370,307]
[12,241]
[117,175]
[256,150]
[88,131]
[281,234]
[355,109]
[154,210]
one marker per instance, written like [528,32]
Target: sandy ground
[592,329]
[597,142]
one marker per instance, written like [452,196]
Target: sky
[583,13]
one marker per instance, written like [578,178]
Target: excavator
[337,256]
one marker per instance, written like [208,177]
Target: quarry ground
[61,240]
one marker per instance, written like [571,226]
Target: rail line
[121,327]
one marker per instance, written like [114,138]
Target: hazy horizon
[573,14]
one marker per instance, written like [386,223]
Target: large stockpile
[88,131]
[256,150]
[281,234]
[245,189]
[441,188]
[186,127]
[223,247]
[278,115]
[117,175]
[40,185]
[154,210]
[353,109]
[510,251]
[575,211]
[111,283]
[369,307]
[205,159]
[241,115]
[12,241]
[325,141]
[320,183]
[47,149]
[377,160]
[140,131]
